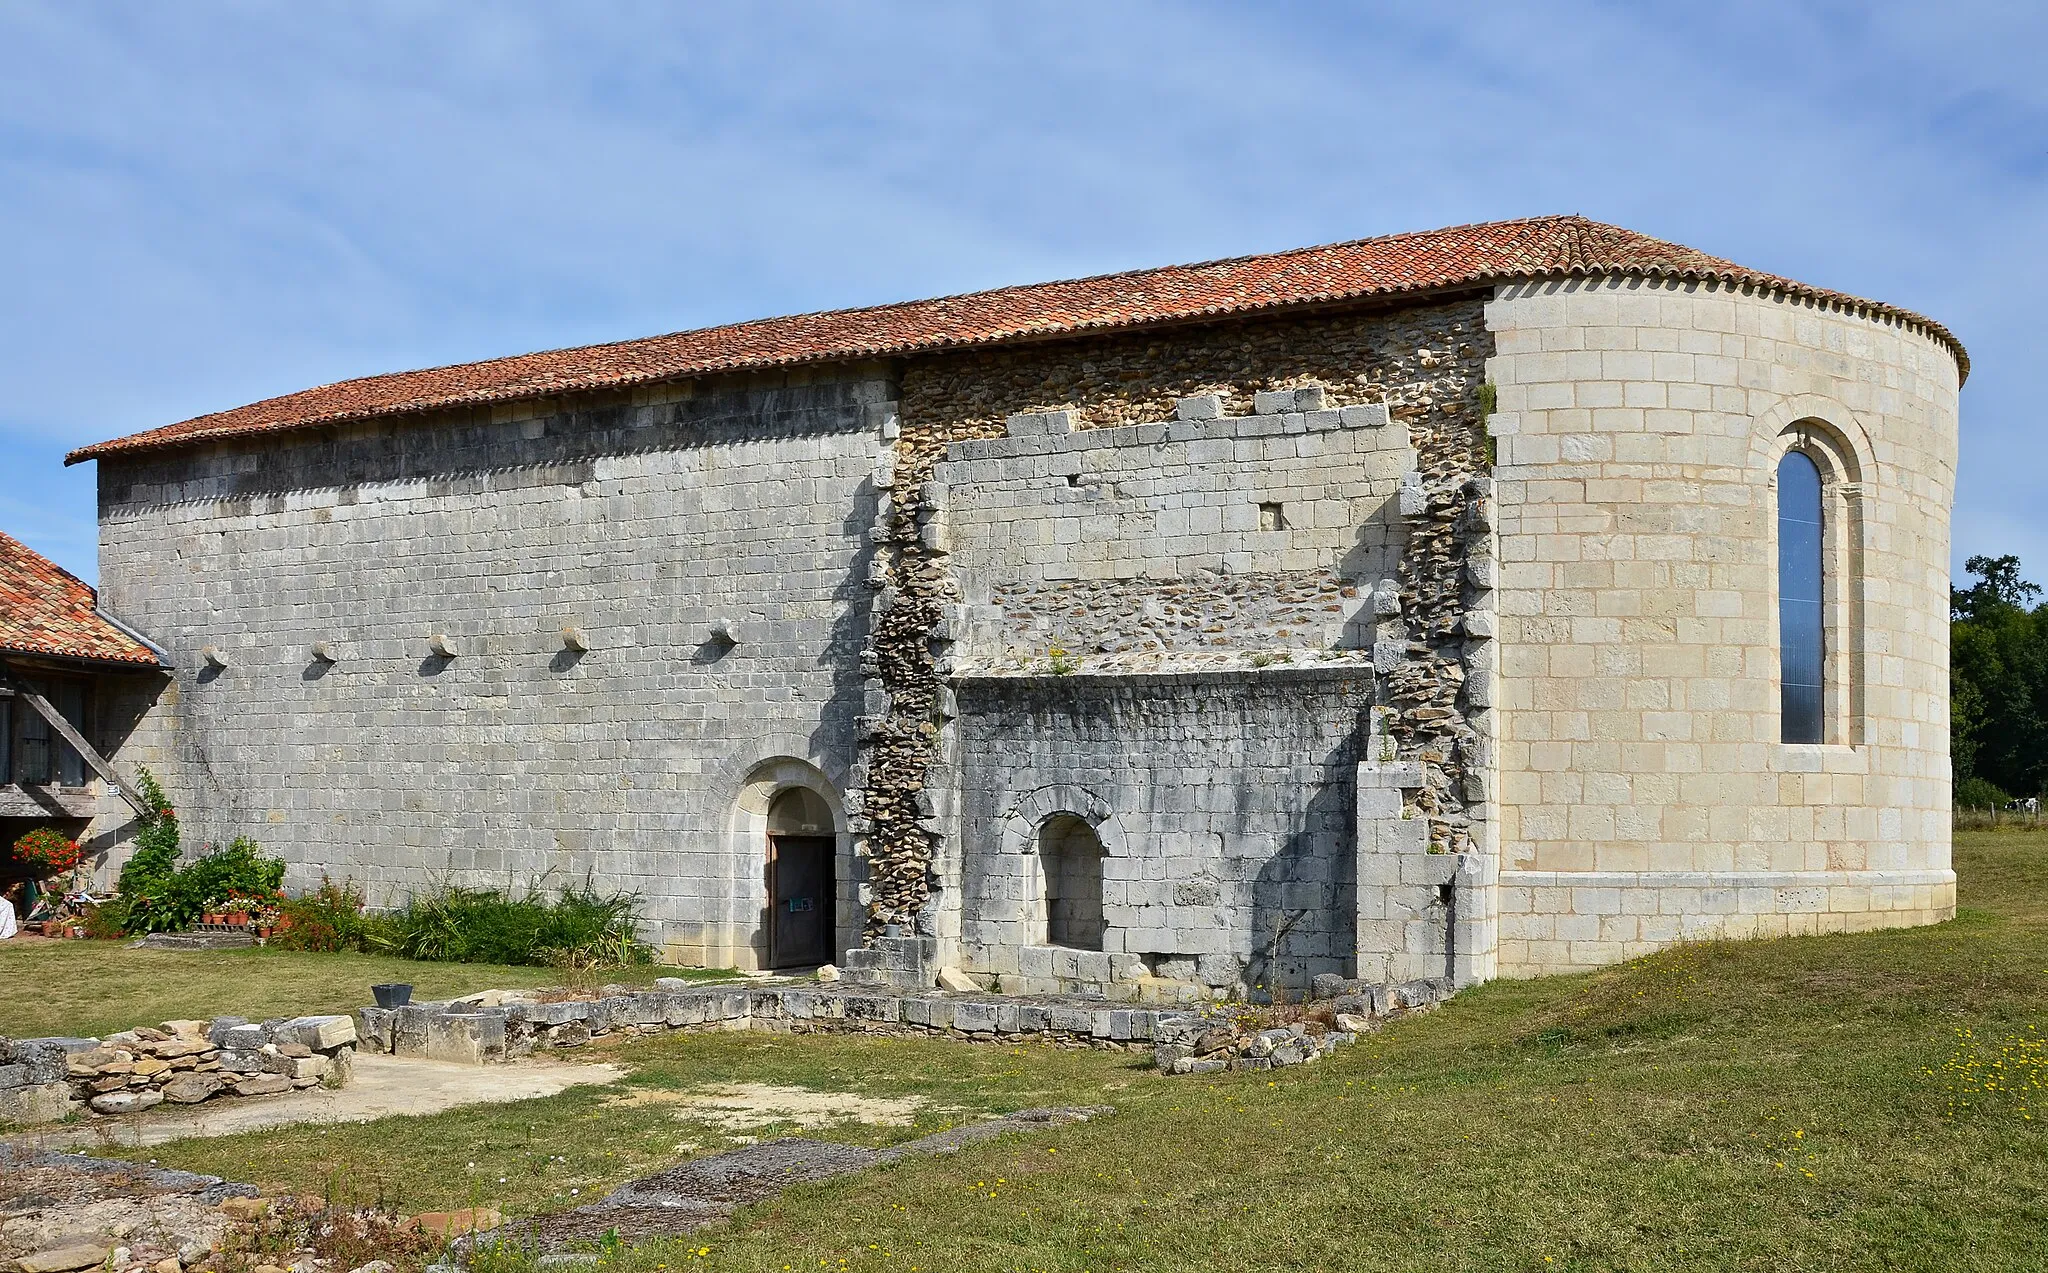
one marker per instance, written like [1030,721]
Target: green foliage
[330,918]
[577,927]
[1976,793]
[1998,680]
[158,897]
[1998,587]
[107,921]
[156,842]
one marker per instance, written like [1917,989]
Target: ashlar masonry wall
[1645,793]
[555,640]
[1223,802]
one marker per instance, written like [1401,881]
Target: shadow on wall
[1376,556]
[121,709]
[1305,896]
[852,616]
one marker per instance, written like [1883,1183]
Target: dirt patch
[744,1106]
[383,1086]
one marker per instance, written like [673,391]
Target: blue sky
[204,204]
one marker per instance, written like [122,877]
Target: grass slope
[1854,1102]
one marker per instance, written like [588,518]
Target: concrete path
[383,1086]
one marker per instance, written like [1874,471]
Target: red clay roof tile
[44,609]
[1425,261]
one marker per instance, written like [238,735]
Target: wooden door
[800,891]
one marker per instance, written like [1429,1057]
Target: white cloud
[207,204]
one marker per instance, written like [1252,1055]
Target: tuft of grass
[1847,1103]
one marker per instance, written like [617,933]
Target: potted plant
[263,915]
[47,853]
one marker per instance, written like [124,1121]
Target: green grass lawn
[1856,1102]
[95,988]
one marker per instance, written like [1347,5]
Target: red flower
[46,853]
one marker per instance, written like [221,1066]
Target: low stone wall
[32,1086]
[504,1025]
[183,1062]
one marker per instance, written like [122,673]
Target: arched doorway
[1071,855]
[801,843]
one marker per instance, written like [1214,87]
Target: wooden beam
[41,707]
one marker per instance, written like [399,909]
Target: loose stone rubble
[1232,1036]
[181,1062]
[60,1212]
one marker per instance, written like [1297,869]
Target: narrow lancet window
[1801,636]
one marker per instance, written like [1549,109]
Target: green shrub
[330,918]
[577,927]
[107,921]
[1977,793]
[149,869]
[157,897]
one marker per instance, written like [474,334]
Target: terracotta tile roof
[1426,261]
[44,609]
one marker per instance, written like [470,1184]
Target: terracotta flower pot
[238,919]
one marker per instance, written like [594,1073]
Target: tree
[1998,587]
[1998,678]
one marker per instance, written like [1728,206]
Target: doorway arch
[789,824]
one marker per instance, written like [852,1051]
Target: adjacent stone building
[65,664]
[1488,601]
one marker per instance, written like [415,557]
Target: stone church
[1490,601]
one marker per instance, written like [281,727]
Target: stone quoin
[1406,609]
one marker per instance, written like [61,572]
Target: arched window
[1802,639]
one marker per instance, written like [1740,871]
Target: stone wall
[1223,802]
[1646,795]
[182,1062]
[1423,363]
[645,603]
[1200,542]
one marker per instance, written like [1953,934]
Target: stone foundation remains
[496,1025]
[183,1062]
